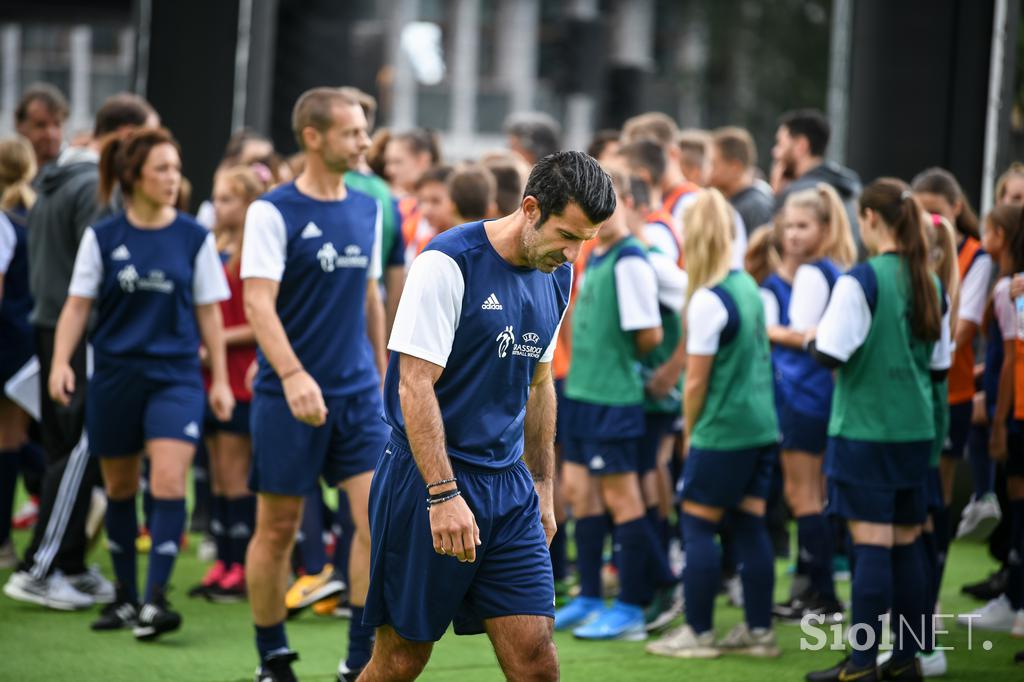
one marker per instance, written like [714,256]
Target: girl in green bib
[732,437]
[885,333]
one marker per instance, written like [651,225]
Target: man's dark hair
[509,182]
[648,155]
[472,189]
[122,109]
[52,98]
[602,138]
[438,174]
[537,132]
[575,177]
[811,124]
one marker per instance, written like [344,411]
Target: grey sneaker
[8,557]
[95,585]
[54,592]
[759,642]
[683,642]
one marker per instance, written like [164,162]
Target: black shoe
[346,674]
[120,614]
[226,595]
[200,591]
[155,619]
[907,670]
[787,609]
[1018,658]
[828,607]
[277,668]
[989,588]
[844,671]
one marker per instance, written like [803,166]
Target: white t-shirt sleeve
[658,236]
[376,269]
[942,353]
[637,288]
[1006,311]
[706,317]
[810,296]
[672,281]
[8,242]
[429,310]
[209,285]
[974,289]
[846,322]
[549,352]
[771,308]
[265,247]
[87,274]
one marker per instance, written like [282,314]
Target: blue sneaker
[618,621]
[577,612]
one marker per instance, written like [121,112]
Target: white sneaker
[1018,624]
[734,591]
[997,615]
[979,518]
[8,557]
[683,642]
[759,642]
[207,551]
[932,665]
[54,592]
[93,583]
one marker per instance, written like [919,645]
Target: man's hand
[997,442]
[662,381]
[454,529]
[305,399]
[62,383]
[545,491]
[222,400]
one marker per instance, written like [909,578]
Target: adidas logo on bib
[491,303]
[311,231]
[121,253]
[192,430]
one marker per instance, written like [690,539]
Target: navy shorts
[238,423]
[722,478]
[125,406]
[959,429]
[658,425]
[419,592]
[897,506]
[289,457]
[602,457]
[802,431]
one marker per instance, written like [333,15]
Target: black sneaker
[789,610]
[120,614]
[844,671]
[988,589]
[829,607]
[347,674]
[155,619]
[1018,658]
[277,668]
[906,670]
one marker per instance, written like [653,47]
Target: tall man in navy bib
[461,505]
[310,261]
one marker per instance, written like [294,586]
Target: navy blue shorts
[238,423]
[658,425]
[125,407]
[933,489]
[959,429]
[722,478]
[419,592]
[802,431]
[602,457]
[289,457]
[896,506]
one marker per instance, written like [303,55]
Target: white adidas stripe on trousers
[23,389]
[57,525]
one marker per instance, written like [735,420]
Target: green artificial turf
[216,643]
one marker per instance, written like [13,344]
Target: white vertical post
[464,78]
[838,104]
[10,65]
[994,105]
[81,70]
[517,51]
[580,106]
[242,44]
[403,86]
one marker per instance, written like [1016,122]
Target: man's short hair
[693,143]
[52,98]
[646,154]
[575,177]
[811,124]
[367,102]
[654,125]
[601,140]
[736,144]
[506,170]
[472,189]
[537,132]
[120,110]
[313,109]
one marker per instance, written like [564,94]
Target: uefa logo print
[531,338]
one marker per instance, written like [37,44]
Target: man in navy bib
[461,505]
[310,262]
